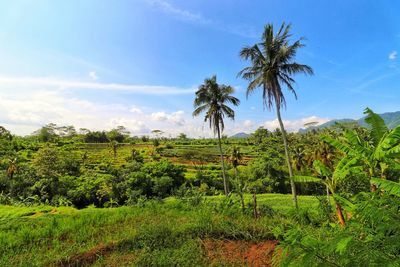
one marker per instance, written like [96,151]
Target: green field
[168,233]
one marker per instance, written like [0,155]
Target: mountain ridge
[392,120]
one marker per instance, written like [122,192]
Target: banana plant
[378,153]
[390,187]
[346,166]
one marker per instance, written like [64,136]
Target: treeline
[37,170]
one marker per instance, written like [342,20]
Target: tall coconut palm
[212,98]
[272,67]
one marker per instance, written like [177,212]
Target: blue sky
[99,64]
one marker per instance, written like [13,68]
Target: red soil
[240,253]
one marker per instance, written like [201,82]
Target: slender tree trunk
[240,190]
[327,195]
[226,189]
[255,212]
[242,201]
[285,143]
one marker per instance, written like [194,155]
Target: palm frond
[211,98]
[272,65]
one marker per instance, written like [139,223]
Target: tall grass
[156,234]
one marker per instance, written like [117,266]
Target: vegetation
[104,198]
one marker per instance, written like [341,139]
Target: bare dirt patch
[240,253]
[89,257]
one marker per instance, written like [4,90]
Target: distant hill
[240,135]
[392,119]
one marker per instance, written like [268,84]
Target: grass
[155,234]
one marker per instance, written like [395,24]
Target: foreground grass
[155,234]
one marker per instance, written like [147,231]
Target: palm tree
[235,156]
[114,147]
[212,98]
[12,167]
[273,66]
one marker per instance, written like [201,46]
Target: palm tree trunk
[255,212]
[285,143]
[226,189]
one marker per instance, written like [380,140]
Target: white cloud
[74,84]
[294,125]
[174,118]
[133,125]
[178,12]
[393,55]
[159,116]
[27,104]
[248,124]
[135,109]
[188,16]
[93,75]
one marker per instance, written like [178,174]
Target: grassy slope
[155,234]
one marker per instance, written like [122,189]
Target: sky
[98,64]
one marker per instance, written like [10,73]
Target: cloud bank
[77,84]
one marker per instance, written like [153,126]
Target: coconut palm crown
[212,98]
[272,65]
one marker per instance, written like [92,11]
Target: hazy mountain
[392,119]
[240,135]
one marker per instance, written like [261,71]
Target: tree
[235,156]
[272,66]
[212,98]
[118,134]
[4,133]
[47,133]
[157,133]
[239,185]
[182,136]
[47,165]
[12,167]
[114,147]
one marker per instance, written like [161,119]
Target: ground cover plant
[151,233]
